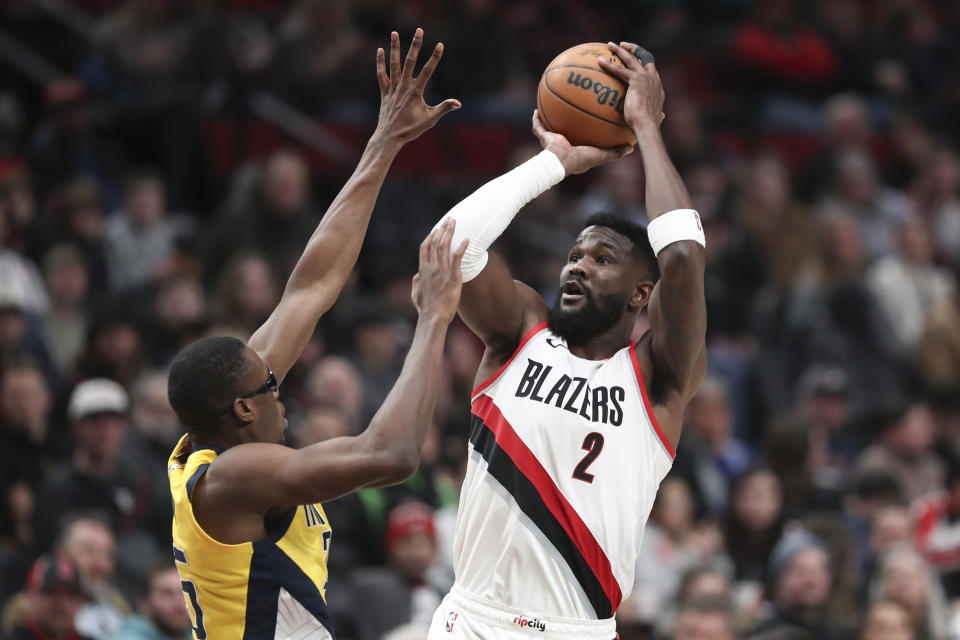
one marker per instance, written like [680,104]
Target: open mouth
[572,291]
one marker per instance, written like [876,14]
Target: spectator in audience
[938,353]
[887,620]
[16,539]
[67,280]
[904,449]
[937,518]
[246,294]
[936,192]
[781,226]
[672,543]
[95,477]
[335,382]
[754,522]
[141,240]
[161,611]
[87,541]
[905,578]
[26,450]
[275,221]
[54,595]
[181,316]
[800,582]
[879,210]
[711,457]
[908,285]
[82,208]
[704,619]
[399,589]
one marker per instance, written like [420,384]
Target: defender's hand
[436,287]
[404,114]
[643,103]
[575,159]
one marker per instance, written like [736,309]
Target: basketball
[582,101]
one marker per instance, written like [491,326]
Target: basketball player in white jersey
[574,425]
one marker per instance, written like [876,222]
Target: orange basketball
[582,101]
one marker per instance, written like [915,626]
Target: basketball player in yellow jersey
[250,539]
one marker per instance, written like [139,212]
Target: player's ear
[243,410]
[642,290]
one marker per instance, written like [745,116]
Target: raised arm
[496,307]
[677,309]
[257,477]
[333,248]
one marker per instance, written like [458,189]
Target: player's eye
[604,260]
[573,258]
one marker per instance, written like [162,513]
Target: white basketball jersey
[565,460]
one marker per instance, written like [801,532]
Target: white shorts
[463,616]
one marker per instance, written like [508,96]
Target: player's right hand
[404,114]
[437,285]
[575,159]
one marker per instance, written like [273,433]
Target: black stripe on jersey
[270,570]
[503,469]
[193,479]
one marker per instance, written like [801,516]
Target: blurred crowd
[163,162]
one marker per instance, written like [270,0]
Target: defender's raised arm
[332,251]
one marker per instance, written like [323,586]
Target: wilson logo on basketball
[606,95]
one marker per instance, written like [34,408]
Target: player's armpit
[499,309]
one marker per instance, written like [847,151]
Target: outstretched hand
[404,114]
[643,103]
[437,285]
[575,159]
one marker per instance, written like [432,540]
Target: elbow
[401,465]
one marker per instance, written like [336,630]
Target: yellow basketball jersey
[271,588]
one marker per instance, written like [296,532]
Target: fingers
[616,70]
[382,76]
[623,150]
[429,66]
[538,129]
[442,246]
[443,109]
[628,59]
[394,58]
[425,249]
[413,53]
[458,254]
[642,54]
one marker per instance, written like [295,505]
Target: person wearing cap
[800,580]
[400,588]
[54,595]
[97,477]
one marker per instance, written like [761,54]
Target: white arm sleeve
[484,215]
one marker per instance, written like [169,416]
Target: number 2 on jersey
[190,590]
[593,445]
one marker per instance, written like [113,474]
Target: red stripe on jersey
[489,381]
[646,402]
[566,515]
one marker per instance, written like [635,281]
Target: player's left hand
[643,103]
[404,114]
[575,159]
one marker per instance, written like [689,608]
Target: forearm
[399,428]
[335,245]
[665,190]
[486,213]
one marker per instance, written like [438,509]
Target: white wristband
[674,226]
